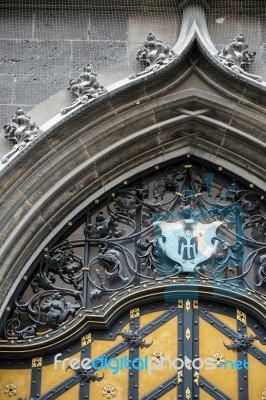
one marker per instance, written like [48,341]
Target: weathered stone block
[36,88]
[66,24]
[18,56]
[6,85]
[100,54]
[111,26]
[33,57]
[16,23]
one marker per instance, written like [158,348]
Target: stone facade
[182,132]
[42,46]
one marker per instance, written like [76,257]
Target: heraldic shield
[188,242]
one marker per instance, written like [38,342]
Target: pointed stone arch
[189,106]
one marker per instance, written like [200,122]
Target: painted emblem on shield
[188,242]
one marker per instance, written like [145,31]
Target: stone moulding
[186,3]
[153,55]
[20,133]
[86,88]
[236,57]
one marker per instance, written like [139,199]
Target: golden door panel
[187,349]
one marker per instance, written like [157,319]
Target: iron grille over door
[184,233]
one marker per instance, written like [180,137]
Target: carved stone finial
[236,56]
[20,133]
[153,55]
[186,3]
[86,88]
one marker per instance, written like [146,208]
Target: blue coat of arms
[188,242]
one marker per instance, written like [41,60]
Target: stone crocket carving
[153,55]
[86,88]
[236,57]
[20,133]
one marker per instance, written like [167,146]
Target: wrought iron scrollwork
[149,253]
[226,256]
[27,332]
[112,267]
[182,220]
[56,309]
[60,261]
[134,338]
[241,342]
[261,271]
[56,294]
[105,227]
[48,308]
[87,374]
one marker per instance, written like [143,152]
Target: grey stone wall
[42,47]
[44,44]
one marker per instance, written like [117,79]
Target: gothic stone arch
[189,106]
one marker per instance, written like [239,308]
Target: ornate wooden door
[188,349]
